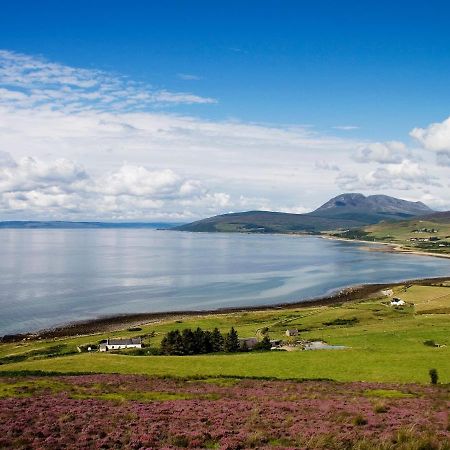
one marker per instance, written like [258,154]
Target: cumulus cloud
[29,174]
[61,187]
[381,152]
[401,176]
[435,137]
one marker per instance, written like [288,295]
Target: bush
[352,321]
[359,420]
[433,376]
[380,408]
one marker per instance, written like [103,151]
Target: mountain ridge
[345,211]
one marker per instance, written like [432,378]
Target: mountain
[342,212]
[372,208]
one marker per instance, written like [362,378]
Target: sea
[51,277]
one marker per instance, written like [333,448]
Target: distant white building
[119,344]
[388,292]
[397,302]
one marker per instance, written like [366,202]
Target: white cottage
[119,344]
[397,302]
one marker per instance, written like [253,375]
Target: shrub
[352,321]
[381,408]
[359,420]
[433,376]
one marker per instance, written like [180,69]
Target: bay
[50,277]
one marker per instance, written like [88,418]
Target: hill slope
[342,212]
[429,233]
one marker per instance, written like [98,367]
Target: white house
[118,344]
[397,302]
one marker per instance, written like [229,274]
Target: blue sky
[382,66]
[349,74]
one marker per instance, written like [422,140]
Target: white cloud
[435,137]
[381,152]
[443,158]
[83,144]
[324,165]
[29,82]
[61,188]
[401,176]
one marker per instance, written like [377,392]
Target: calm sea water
[51,277]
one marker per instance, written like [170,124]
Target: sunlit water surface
[50,277]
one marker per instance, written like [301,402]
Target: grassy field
[383,343]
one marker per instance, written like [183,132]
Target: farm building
[248,342]
[293,332]
[118,344]
[397,302]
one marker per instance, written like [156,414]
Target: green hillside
[429,233]
[381,343]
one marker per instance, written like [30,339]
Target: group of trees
[198,341]
[188,342]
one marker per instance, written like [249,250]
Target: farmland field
[382,343]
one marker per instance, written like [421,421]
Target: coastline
[124,321]
[389,247]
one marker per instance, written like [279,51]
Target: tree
[188,342]
[198,343]
[264,344]
[217,341]
[207,335]
[172,343]
[231,342]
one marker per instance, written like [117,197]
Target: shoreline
[123,321]
[391,247]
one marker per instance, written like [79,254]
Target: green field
[383,343]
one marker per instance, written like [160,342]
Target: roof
[129,341]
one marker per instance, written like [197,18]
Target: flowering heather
[136,412]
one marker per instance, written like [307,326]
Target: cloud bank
[82,144]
